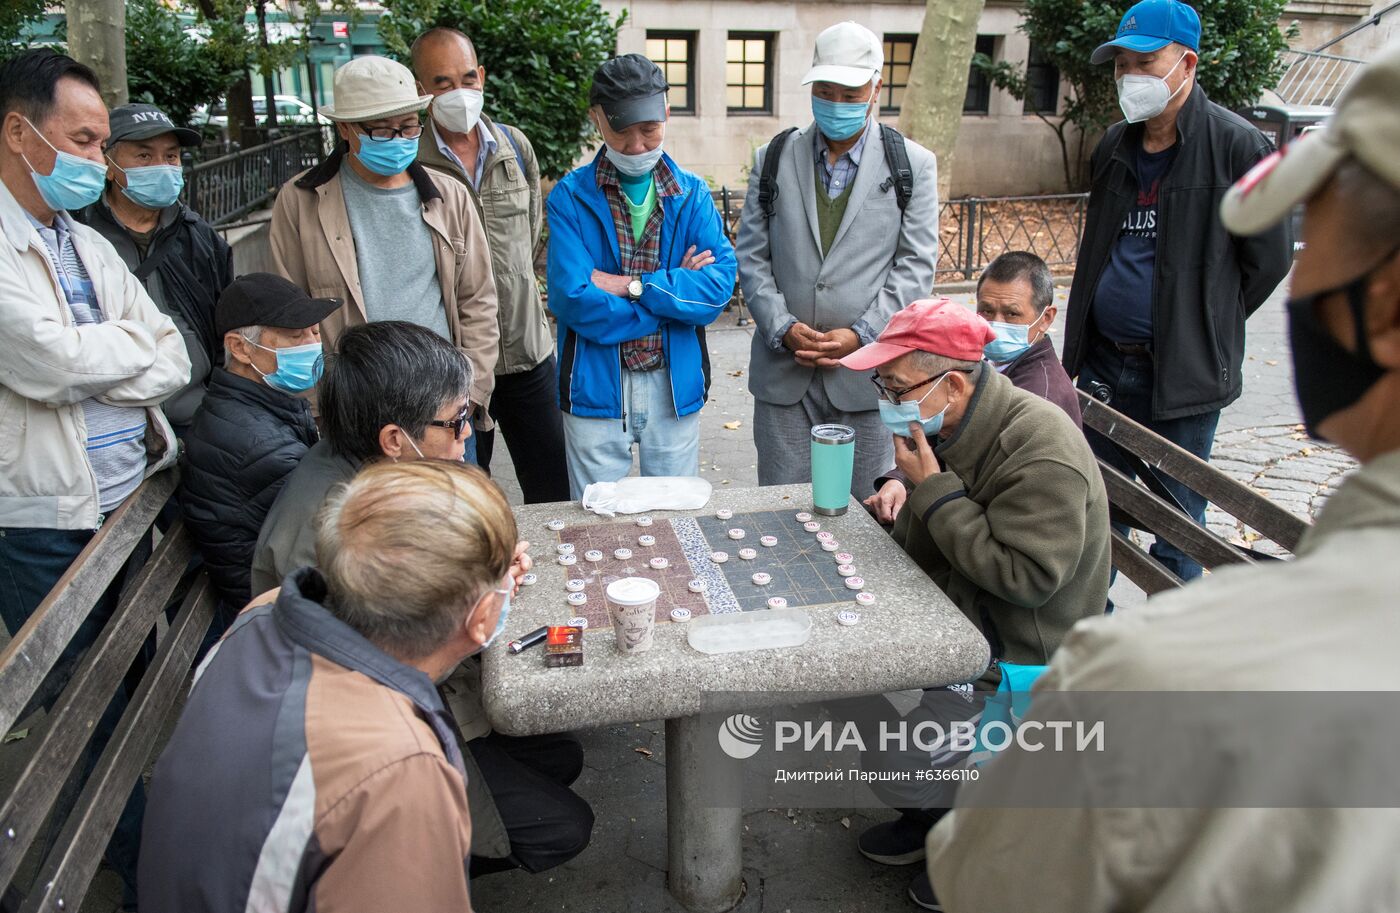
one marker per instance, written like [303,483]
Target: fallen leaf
[644,752]
[15,736]
[738,373]
[1271,362]
[1251,536]
[732,426]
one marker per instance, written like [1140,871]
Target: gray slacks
[783,436]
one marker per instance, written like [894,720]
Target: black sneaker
[897,842]
[921,892]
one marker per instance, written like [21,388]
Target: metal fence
[1316,79]
[224,188]
[975,231]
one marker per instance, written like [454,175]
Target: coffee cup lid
[633,591]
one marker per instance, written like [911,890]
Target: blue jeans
[1130,379]
[31,561]
[469,451]
[600,449]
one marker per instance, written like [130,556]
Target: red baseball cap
[936,325]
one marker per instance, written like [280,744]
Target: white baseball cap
[847,54]
[368,88]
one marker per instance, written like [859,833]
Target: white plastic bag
[635,495]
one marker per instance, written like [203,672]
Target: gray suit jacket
[877,264]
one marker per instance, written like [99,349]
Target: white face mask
[634,166]
[458,110]
[1144,97]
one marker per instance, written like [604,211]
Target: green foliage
[168,67]
[539,57]
[1241,45]
[15,17]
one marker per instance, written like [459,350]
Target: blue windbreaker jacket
[681,302]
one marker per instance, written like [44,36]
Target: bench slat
[1165,521]
[32,652]
[1140,567]
[1235,498]
[67,872]
[67,730]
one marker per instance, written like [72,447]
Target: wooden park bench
[1147,505]
[59,745]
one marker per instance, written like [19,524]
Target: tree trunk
[933,102]
[269,83]
[97,37]
[238,100]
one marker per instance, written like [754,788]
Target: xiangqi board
[800,571]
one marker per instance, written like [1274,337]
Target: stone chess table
[912,636]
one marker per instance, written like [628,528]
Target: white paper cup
[632,605]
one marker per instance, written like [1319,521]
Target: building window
[899,54]
[748,72]
[979,87]
[1042,83]
[674,53]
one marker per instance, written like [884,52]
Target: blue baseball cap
[1150,26]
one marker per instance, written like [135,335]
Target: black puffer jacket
[245,439]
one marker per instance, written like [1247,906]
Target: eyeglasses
[384,134]
[456,425]
[890,394]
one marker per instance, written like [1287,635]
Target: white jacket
[48,366]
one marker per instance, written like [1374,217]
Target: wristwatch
[634,289]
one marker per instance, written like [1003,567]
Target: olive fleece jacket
[1015,528]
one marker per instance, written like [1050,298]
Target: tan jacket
[1323,622]
[312,246]
[509,203]
[48,366]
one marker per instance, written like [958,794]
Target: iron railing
[1315,79]
[975,231]
[225,188]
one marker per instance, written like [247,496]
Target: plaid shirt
[638,257]
[837,178]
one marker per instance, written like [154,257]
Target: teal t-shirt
[639,194]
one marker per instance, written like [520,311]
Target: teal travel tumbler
[833,459]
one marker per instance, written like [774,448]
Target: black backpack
[896,157]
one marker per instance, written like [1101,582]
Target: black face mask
[1326,377]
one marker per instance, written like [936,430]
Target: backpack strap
[510,135]
[768,179]
[897,158]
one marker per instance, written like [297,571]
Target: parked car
[291,111]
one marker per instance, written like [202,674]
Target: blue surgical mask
[634,166]
[152,186]
[73,183]
[298,367]
[1013,339]
[500,622]
[897,416]
[387,157]
[840,120]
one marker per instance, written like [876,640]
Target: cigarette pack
[563,646]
